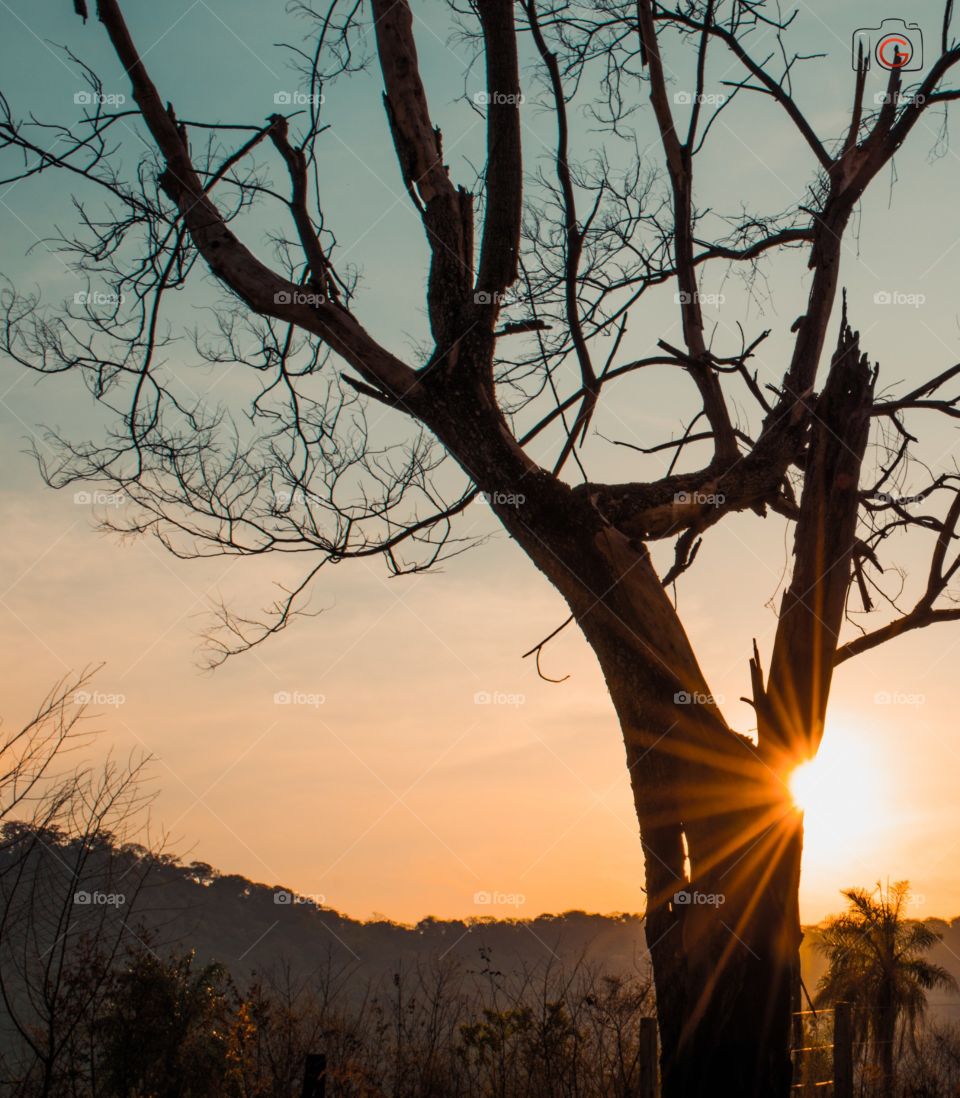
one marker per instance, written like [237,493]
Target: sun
[806,785]
[843,795]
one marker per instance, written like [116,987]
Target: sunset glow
[842,794]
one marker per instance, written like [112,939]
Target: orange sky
[398,792]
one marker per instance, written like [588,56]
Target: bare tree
[528,271]
[69,891]
[31,789]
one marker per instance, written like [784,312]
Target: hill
[252,927]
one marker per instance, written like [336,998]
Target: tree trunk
[721,839]
[724,933]
[722,842]
[722,845]
[739,980]
[886,1027]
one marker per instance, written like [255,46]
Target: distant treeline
[248,925]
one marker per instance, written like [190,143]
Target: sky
[385,786]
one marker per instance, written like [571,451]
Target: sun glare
[804,785]
[843,796]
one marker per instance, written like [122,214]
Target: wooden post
[315,1075]
[799,1041]
[842,1051]
[649,1079]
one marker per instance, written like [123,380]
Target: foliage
[169,1029]
[877,962]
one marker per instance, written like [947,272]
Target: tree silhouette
[65,873]
[876,961]
[532,276]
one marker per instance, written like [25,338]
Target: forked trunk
[722,844]
[723,934]
[740,977]
[722,841]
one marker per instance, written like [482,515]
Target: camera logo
[685,697]
[893,45]
[100,899]
[699,899]
[284,897]
[512,899]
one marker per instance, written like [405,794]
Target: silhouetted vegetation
[166,1026]
[877,962]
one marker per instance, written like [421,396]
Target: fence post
[842,1051]
[649,1082]
[796,1057]
[315,1075]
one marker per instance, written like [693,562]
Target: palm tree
[876,962]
